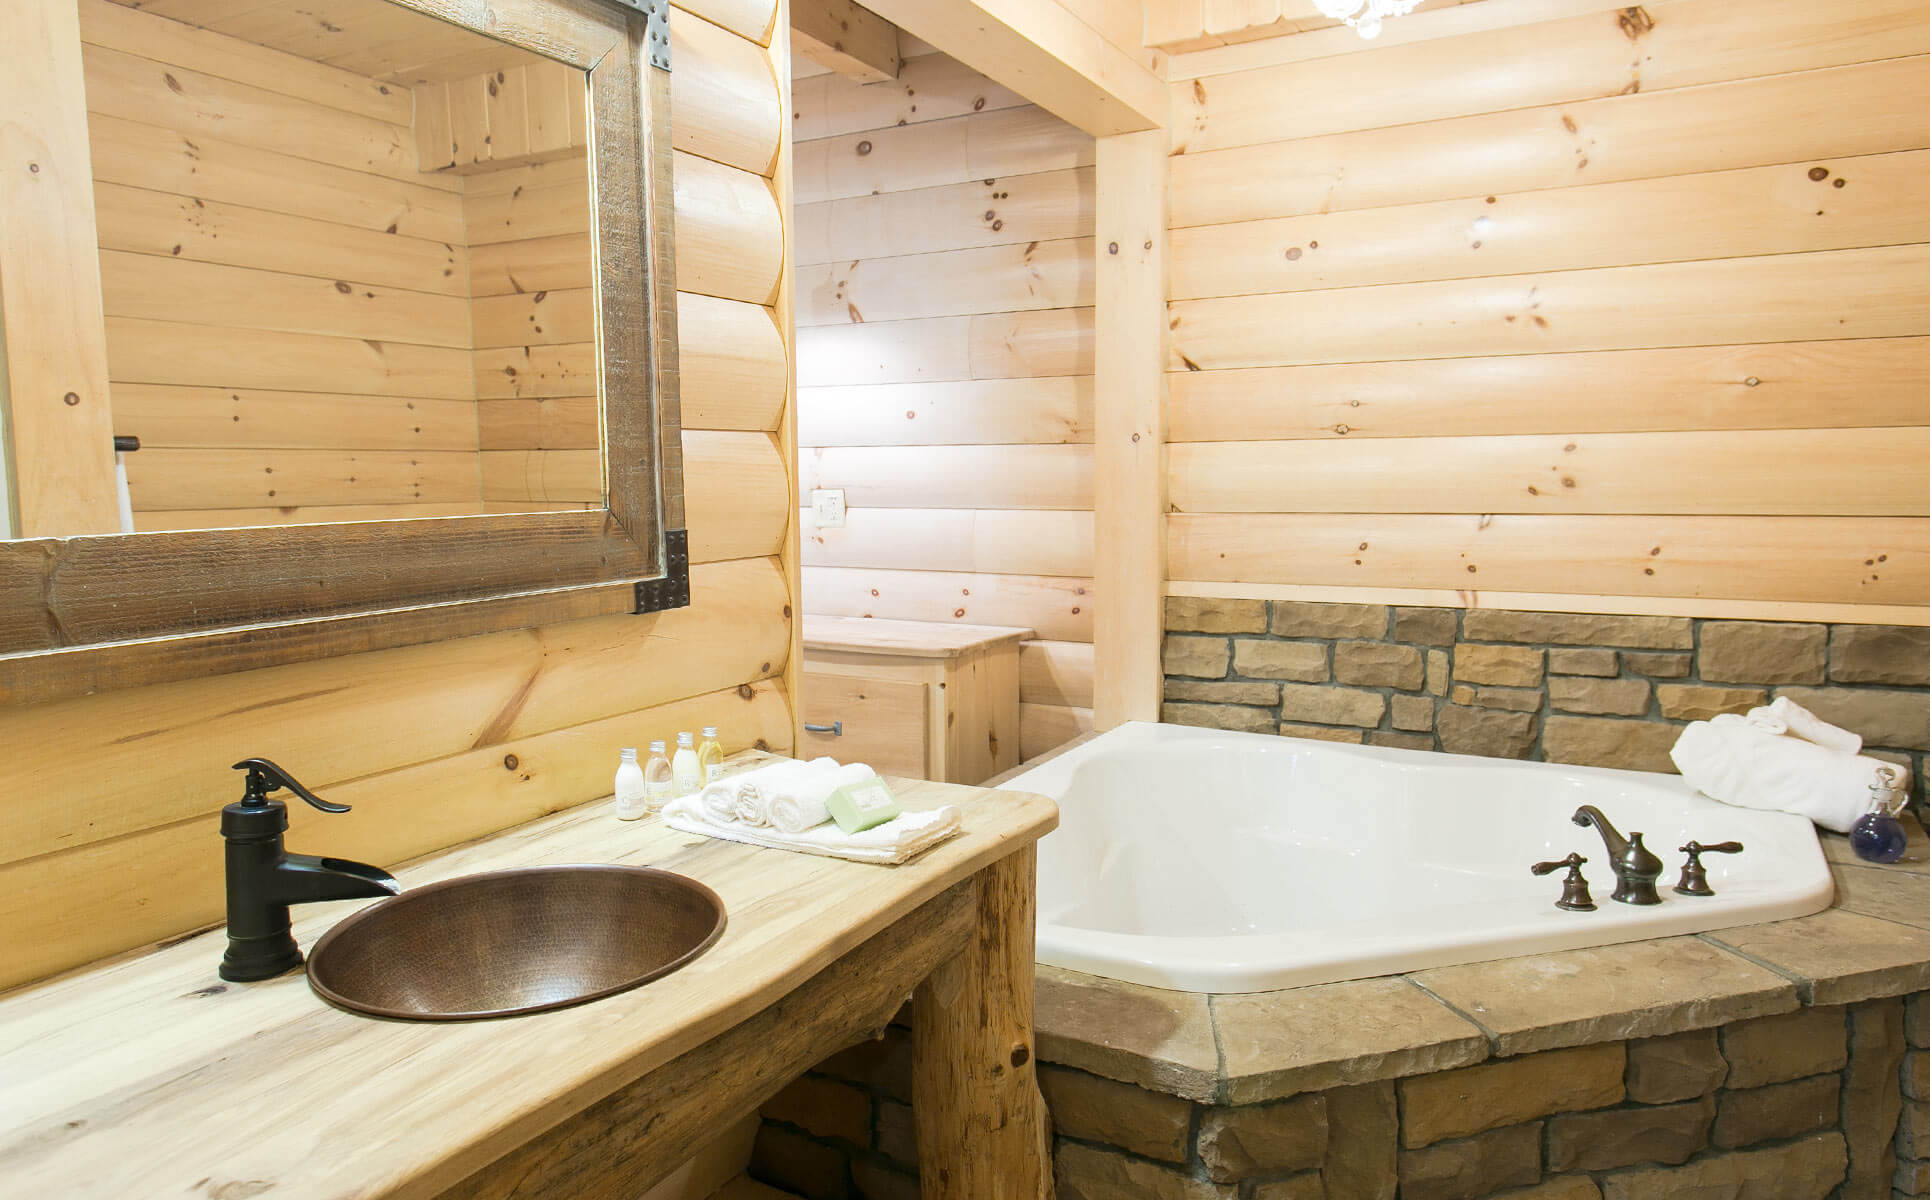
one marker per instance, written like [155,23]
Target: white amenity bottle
[632,793]
[657,782]
[684,768]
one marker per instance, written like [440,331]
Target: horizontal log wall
[944,310]
[529,234]
[110,841]
[1630,305]
[286,295]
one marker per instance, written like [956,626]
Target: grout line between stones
[1222,1087]
[1493,1038]
[1805,990]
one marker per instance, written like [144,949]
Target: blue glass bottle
[1877,835]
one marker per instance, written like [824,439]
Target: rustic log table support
[626,1142]
[975,1092]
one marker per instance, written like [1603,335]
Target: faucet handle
[265,777]
[1695,879]
[1574,888]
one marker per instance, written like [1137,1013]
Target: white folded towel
[799,804]
[756,790]
[741,797]
[719,800]
[1738,761]
[904,837]
[1783,715]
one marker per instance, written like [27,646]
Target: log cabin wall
[1618,309]
[944,312]
[108,836]
[528,229]
[286,294]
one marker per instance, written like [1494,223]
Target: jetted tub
[1238,862]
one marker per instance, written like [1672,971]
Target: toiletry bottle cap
[656,747]
[710,731]
[683,739]
[629,754]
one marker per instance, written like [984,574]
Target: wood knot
[1634,22]
[1021,1055]
[511,762]
[864,148]
[71,399]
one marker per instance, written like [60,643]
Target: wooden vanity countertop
[146,1075]
[910,639]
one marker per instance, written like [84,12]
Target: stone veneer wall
[1610,691]
[1821,1102]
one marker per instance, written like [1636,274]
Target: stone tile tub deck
[1766,1062]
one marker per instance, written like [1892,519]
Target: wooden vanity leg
[975,1094]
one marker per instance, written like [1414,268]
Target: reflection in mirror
[346,266]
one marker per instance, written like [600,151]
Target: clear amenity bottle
[657,782]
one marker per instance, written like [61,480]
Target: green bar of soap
[859,806]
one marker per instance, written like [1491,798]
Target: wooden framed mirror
[286,297]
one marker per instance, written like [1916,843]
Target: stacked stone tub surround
[1785,1061]
[1596,690]
[1782,1061]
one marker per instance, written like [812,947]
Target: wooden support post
[1129,427]
[790,555]
[975,1094]
[50,282]
[855,42]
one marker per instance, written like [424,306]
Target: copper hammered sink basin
[505,943]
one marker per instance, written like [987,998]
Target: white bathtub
[1236,862]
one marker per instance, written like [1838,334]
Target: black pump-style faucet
[264,878]
[1636,869]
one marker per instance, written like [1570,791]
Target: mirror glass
[346,267]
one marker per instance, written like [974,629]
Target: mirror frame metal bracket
[91,613]
[673,590]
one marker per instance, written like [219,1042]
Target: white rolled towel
[902,838]
[1737,761]
[719,800]
[1783,715]
[799,804]
[757,789]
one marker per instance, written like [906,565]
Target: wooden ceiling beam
[1044,52]
[852,41]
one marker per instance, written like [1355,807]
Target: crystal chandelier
[1365,16]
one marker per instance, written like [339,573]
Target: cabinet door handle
[835,728]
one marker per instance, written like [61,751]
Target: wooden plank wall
[528,231]
[108,834]
[1631,303]
[944,312]
[286,296]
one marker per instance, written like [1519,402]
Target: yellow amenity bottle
[710,757]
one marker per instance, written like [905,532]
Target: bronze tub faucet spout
[1636,869]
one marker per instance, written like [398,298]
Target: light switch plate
[827,507]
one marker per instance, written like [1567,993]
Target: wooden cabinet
[918,698]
